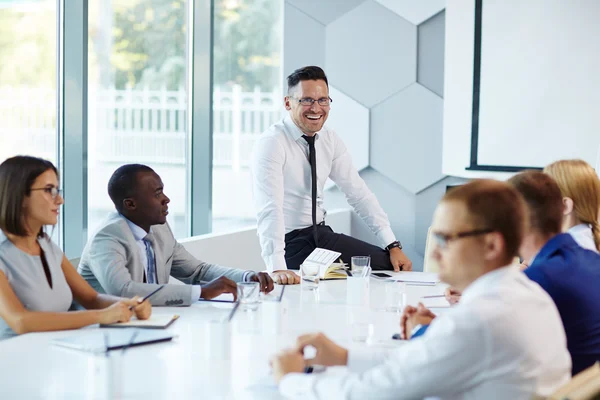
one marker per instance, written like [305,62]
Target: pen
[281,294]
[433,296]
[152,293]
[106,344]
[237,304]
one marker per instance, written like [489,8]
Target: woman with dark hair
[37,281]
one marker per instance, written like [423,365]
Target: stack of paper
[416,278]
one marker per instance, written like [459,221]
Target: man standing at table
[504,340]
[134,250]
[290,165]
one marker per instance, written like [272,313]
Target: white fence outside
[142,125]
[148,126]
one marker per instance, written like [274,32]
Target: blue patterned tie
[151,270]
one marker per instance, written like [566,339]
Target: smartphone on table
[380,275]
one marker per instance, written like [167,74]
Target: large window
[138,89]
[28,79]
[137,99]
[246,100]
[28,98]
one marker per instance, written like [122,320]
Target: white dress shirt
[504,340]
[139,234]
[282,187]
[584,237]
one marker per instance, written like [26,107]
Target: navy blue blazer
[571,276]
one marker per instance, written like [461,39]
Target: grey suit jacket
[111,263]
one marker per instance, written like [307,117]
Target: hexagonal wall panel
[406,138]
[303,49]
[371,53]
[325,11]
[415,11]
[399,205]
[426,202]
[430,53]
[350,120]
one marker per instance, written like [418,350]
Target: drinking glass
[362,328]
[248,295]
[357,290]
[309,276]
[395,296]
[359,263]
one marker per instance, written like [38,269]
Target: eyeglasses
[308,101]
[443,239]
[51,190]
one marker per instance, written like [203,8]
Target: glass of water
[359,263]
[309,276]
[395,296]
[248,295]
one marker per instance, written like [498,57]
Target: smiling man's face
[309,119]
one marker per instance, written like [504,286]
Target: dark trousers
[300,243]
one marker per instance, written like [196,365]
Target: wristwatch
[394,244]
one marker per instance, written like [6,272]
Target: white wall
[241,249]
[539,83]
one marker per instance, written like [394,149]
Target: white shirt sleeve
[268,159]
[448,359]
[196,292]
[359,196]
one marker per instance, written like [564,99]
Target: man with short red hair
[504,340]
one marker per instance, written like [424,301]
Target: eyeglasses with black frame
[442,239]
[309,101]
[51,190]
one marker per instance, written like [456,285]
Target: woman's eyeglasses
[51,190]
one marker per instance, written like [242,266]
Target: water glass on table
[395,296]
[358,264]
[357,290]
[218,339]
[309,276]
[248,295]
[362,328]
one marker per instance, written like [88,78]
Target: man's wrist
[342,358]
[394,245]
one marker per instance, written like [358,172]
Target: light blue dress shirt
[139,234]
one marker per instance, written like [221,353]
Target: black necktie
[313,172]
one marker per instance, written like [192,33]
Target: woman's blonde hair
[578,181]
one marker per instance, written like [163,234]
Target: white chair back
[429,264]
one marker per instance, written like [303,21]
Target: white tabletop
[184,368]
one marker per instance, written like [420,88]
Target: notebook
[100,341]
[154,322]
[334,271]
[324,259]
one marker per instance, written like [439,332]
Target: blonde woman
[580,188]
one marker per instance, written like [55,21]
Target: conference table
[187,367]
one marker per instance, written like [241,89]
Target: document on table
[322,257]
[417,278]
[154,322]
